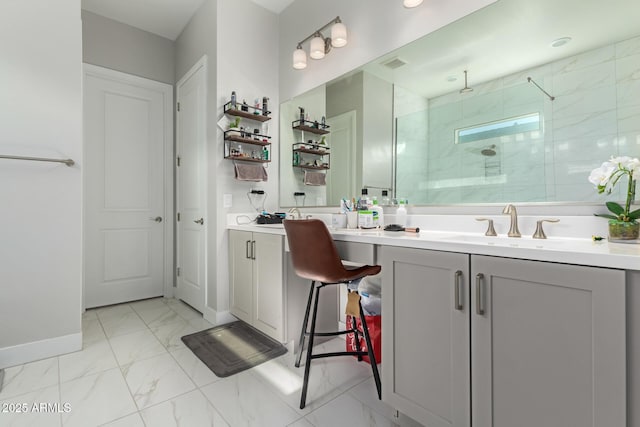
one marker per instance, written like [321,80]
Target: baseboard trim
[217,318]
[37,350]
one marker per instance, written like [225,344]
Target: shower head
[466,88]
[489,151]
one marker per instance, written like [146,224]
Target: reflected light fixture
[411,3]
[320,45]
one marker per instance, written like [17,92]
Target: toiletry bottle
[378,213]
[364,199]
[385,198]
[265,153]
[265,110]
[233,100]
[301,115]
[401,214]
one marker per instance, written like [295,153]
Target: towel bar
[67,162]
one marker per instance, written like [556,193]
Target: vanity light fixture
[320,45]
[411,3]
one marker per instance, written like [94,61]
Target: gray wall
[120,47]
[40,212]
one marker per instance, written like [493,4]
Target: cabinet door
[425,335]
[268,291]
[549,349]
[241,274]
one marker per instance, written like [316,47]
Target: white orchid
[607,176]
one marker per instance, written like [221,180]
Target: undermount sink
[515,242]
[271,225]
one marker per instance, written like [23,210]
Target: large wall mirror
[531,117]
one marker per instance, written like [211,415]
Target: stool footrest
[339,353]
[329,334]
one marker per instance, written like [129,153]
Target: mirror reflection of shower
[489,151]
[492,164]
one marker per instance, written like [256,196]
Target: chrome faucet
[297,213]
[513,229]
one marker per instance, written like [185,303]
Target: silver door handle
[253,249]
[156,219]
[199,221]
[479,294]
[458,304]
[247,248]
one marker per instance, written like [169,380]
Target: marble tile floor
[134,371]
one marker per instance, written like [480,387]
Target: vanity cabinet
[488,341]
[256,279]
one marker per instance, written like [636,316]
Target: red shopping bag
[374,324]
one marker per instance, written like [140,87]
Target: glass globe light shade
[338,35]
[412,3]
[316,50]
[299,59]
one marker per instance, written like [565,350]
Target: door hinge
[178,216]
[178,106]
[178,271]
[178,161]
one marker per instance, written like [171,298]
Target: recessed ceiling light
[560,42]
[452,78]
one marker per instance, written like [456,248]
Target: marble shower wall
[595,114]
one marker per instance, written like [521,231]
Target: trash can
[369,289]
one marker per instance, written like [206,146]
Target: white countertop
[579,251]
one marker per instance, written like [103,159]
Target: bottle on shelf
[301,115]
[401,214]
[265,153]
[234,103]
[265,110]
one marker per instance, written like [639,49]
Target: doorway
[191,186]
[127,187]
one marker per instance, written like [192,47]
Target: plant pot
[622,231]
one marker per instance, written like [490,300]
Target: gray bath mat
[232,348]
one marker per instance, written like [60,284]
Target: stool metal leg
[356,336]
[303,333]
[372,357]
[307,366]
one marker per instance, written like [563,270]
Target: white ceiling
[507,37]
[166,18]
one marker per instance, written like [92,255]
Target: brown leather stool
[315,257]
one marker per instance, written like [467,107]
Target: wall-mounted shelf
[315,155]
[252,113]
[301,147]
[309,126]
[237,136]
[312,167]
[259,149]
[246,159]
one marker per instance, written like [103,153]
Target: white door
[127,137]
[191,186]
[341,180]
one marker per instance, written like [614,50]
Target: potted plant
[235,126]
[623,222]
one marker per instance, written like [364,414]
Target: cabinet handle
[479,294]
[253,249]
[247,249]
[458,303]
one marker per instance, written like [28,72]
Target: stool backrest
[313,252]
